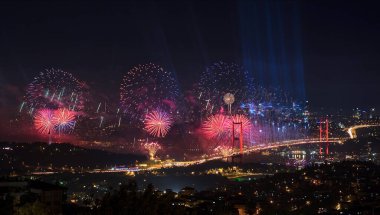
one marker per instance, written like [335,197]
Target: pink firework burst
[64,119]
[219,126]
[43,121]
[157,123]
[215,126]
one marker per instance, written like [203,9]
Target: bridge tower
[237,139]
[324,134]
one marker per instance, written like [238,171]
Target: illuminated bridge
[261,147]
[236,152]
[265,146]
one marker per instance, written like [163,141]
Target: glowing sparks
[97,110]
[101,121]
[64,120]
[215,126]
[148,87]
[56,89]
[224,150]
[47,121]
[157,123]
[43,121]
[21,106]
[150,104]
[239,118]
[221,78]
[219,127]
[152,148]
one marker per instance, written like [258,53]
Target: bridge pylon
[324,135]
[237,140]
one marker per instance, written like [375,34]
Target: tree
[35,208]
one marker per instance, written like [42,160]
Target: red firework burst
[215,126]
[43,121]
[157,123]
[219,126]
[64,119]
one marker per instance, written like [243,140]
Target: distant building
[27,191]
[187,191]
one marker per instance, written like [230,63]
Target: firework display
[222,79]
[216,126]
[55,89]
[246,124]
[43,121]
[223,150]
[152,148]
[64,120]
[146,88]
[48,121]
[157,123]
[54,100]
[219,127]
[150,106]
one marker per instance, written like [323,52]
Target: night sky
[326,52]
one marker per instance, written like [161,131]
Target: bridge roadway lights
[352,130]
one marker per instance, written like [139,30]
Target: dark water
[99,183]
